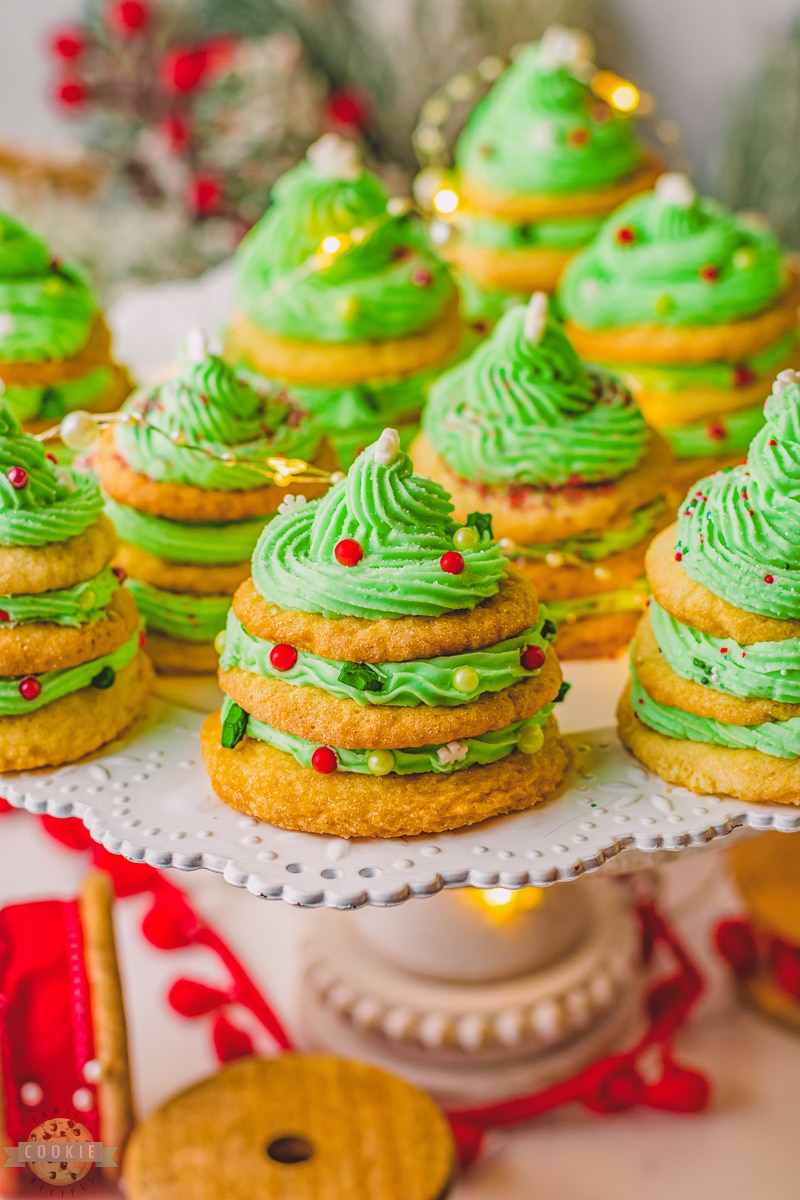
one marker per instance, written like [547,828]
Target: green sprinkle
[234,726]
[105,678]
[549,630]
[52,404]
[562,691]
[701,666]
[361,676]
[482,522]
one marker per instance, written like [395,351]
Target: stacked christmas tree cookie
[72,672]
[714,697]
[386,673]
[561,457]
[55,347]
[542,162]
[697,308]
[189,489]
[340,295]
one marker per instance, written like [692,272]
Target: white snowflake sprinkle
[290,504]
[336,157]
[674,188]
[453,752]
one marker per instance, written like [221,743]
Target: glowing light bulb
[625,97]
[497,897]
[620,93]
[445,200]
[331,244]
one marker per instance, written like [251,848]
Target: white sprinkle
[674,188]
[290,504]
[387,447]
[536,317]
[335,156]
[452,752]
[7,324]
[195,347]
[784,380]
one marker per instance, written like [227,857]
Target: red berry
[532,658]
[452,562]
[742,375]
[29,687]
[68,43]
[119,573]
[625,235]
[17,477]
[128,16]
[283,657]
[348,552]
[71,94]
[204,193]
[678,556]
[710,273]
[4,616]
[324,760]
[769,579]
[422,278]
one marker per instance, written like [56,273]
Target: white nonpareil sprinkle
[675,188]
[387,447]
[335,156]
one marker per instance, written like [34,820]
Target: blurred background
[171,118]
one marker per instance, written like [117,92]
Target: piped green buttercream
[81,604]
[52,504]
[55,684]
[520,411]
[402,525]
[184,541]
[50,402]
[179,614]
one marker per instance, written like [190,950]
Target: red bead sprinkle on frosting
[710,273]
[452,562]
[625,235]
[324,760]
[29,688]
[119,573]
[678,556]
[348,552]
[17,477]
[769,579]
[283,657]
[532,658]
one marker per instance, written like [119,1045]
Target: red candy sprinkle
[119,573]
[723,649]
[324,760]
[578,136]
[17,477]
[742,375]
[142,639]
[348,552]
[422,278]
[4,616]
[772,442]
[283,657]
[51,458]
[532,658]
[716,431]
[29,688]
[452,562]
[625,235]
[710,273]
[678,556]
[769,579]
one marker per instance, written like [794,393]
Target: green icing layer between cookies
[55,684]
[630,599]
[179,614]
[51,402]
[81,604]
[180,541]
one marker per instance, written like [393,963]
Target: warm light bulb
[331,244]
[620,93]
[625,97]
[445,200]
[497,897]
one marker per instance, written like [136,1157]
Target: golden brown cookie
[34,648]
[533,515]
[176,656]
[513,608]
[77,724]
[599,635]
[312,362]
[310,713]
[114,1093]
[709,770]
[296,1127]
[524,207]
[665,344]
[667,687]
[96,353]
[531,269]
[266,783]
[220,579]
[694,604]
[26,570]
[183,501]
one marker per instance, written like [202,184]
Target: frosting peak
[523,411]
[40,502]
[672,257]
[561,47]
[739,530]
[378,545]
[211,427]
[536,317]
[336,157]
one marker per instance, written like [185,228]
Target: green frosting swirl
[541,129]
[402,524]
[207,409]
[409,684]
[769,670]
[523,412]
[487,748]
[81,604]
[182,615]
[56,684]
[779,738]
[48,309]
[388,285]
[184,542]
[691,263]
[593,545]
[739,530]
[50,403]
[56,503]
